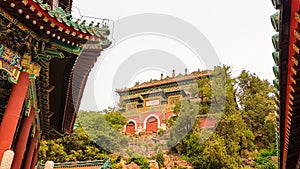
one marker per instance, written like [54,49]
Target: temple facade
[45,58]
[148,106]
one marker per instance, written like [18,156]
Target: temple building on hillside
[149,105]
[45,58]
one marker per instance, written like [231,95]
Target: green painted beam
[276,71]
[276,57]
[275,41]
[276,83]
[275,18]
[276,3]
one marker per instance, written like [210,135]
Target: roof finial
[98,24]
[185,71]
[161,76]
[173,74]
[91,24]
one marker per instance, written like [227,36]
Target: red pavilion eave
[37,16]
[45,59]
[289,80]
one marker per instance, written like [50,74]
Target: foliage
[117,166]
[184,122]
[215,154]
[247,125]
[161,132]
[81,146]
[256,104]
[139,160]
[263,160]
[115,161]
[104,128]
[160,159]
[76,147]
[115,120]
[247,122]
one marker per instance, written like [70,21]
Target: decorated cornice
[31,34]
[20,38]
[18,24]
[68,48]
[13,64]
[11,71]
[58,23]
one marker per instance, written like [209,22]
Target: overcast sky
[239,31]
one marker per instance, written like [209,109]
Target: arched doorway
[130,128]
[152,124]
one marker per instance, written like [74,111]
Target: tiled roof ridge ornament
[173,74]
[84,30]
[167,79]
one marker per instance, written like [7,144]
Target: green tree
[139,160]
[224,148]
[75,147]
[215,154]
[81,146]
[160,159]
[115,120]
[231,127]
[263,160]
[256,102]
[104,129]
[183,123]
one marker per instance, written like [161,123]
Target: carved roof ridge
[167,80]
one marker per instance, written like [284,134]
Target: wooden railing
[77,165]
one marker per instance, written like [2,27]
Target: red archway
[130,128]
[152,124]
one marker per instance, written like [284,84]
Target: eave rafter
[41,34]
[58,23]
[286,70]
[27,40]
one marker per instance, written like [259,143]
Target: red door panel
[130,128]
[152,125]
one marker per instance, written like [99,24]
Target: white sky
[239,30]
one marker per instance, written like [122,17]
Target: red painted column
[30,151]
[35,156]
[22,139]
[12,112]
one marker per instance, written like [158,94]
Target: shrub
[160,159]
[139,160]
[263,160]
